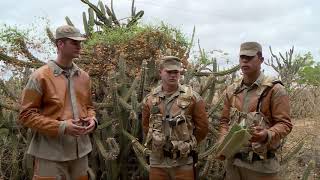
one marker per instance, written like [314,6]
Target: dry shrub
[305,102]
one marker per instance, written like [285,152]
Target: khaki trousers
[56,170]
[239,173]
[184,172]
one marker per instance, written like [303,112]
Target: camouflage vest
[171,132]
[256,118]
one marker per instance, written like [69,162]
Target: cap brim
[248,53]
[78,38]
[172,68]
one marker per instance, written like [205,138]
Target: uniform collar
[257,83]
[158,91]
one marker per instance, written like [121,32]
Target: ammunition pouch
[177,155]
[176,121]
[252,156]
[178,149]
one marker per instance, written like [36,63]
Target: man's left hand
[91,123]
[259,134]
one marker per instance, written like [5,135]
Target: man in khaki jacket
[174,122]
[262,104]
[56,104]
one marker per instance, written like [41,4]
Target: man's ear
[60,43]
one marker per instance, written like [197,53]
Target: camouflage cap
[170,63]
[250,48]
[70,32]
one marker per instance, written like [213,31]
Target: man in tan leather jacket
[174,122]
[56,105]
[256,96]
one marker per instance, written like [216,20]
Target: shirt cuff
[96,123]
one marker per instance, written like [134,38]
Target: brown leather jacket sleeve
[90,107]
[145,117]
[200,119]
[224,120]
[281,124]
[30,114]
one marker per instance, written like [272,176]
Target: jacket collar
[75,70]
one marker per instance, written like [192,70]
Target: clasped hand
[80,126]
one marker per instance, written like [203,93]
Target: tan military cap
[171,63]
[250,48]
[70,32]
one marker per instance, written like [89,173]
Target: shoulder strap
[265,92]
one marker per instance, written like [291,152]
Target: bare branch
[19,63]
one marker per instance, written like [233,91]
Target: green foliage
[121,35]
[173,32]
[310,73]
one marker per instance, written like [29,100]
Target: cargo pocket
[180,130]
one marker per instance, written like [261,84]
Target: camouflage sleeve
[145,115]
[200,118]
[30,110]
[280,110]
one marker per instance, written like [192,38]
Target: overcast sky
[220,24]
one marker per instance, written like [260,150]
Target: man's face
[250,65]
[69,48]
[170,77]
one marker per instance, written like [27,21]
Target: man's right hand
[73,129]
[220,157]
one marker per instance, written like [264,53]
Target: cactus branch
[221,73]
[7,91]
[68,20]
[9,106]
[50,35]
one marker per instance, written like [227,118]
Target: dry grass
[307,130]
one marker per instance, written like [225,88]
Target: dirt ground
[307,131]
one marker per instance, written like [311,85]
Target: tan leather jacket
[275,106]
[48,99]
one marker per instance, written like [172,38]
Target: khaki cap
[70,32]
[250,48]
[171,63]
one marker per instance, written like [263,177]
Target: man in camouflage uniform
[261,103]
[56,104]
[174,122]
